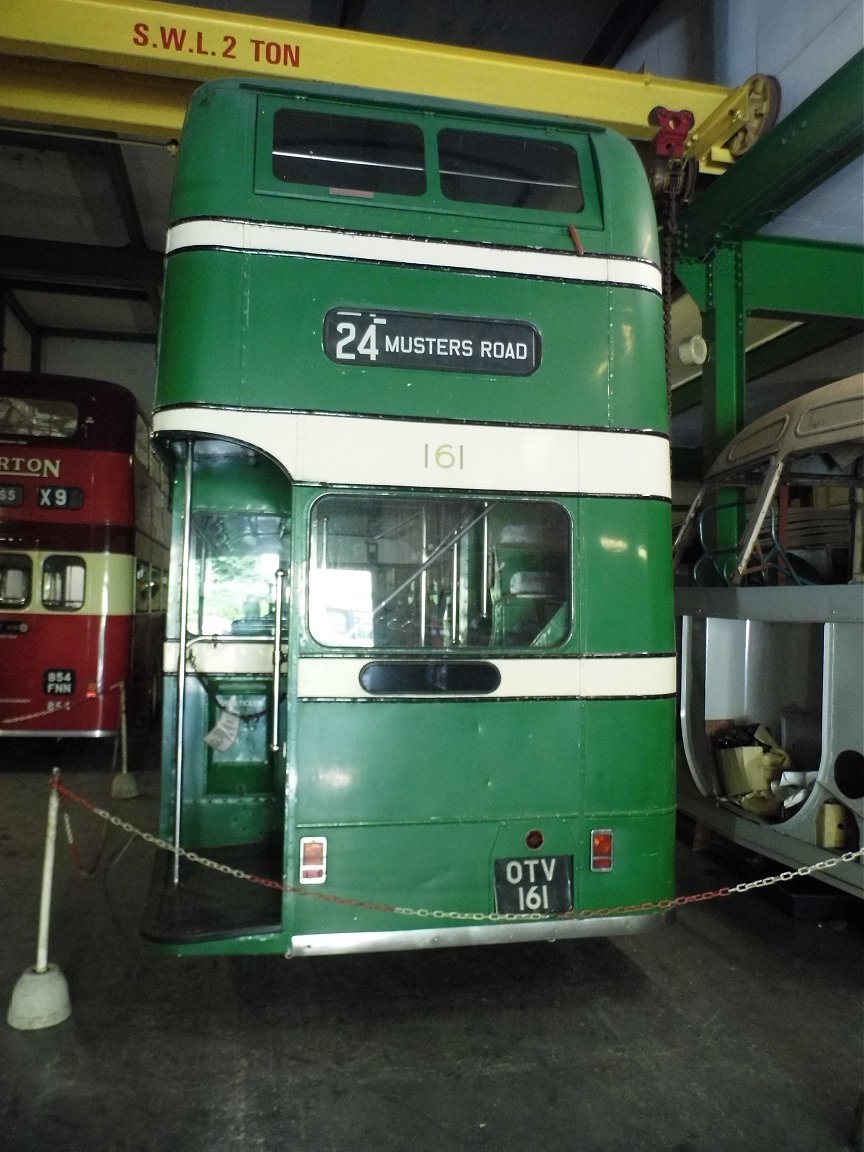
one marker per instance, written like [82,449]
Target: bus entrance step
[208,905]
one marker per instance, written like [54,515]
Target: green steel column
[723,326]
[723,379]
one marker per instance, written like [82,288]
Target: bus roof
[103,413]
[408,101]
[54,383]
[812,423]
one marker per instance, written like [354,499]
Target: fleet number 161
[444,456]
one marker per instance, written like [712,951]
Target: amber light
[601,850]
[92,690]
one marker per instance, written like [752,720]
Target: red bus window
[63,583]
[16,581]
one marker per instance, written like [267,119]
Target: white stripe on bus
[598,677]
[286,239]
[316,448]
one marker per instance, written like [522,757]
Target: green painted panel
[214,167]
[628,207]
[644,864]
[624,558]
[637,367]
[231,481]
[438,762]
[569,378]
[200,347]
[450,868]
[217,822]
[261,343]
[630,761]
[435,761]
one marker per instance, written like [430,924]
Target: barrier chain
[63,705]
[438,914]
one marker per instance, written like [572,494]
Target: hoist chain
[668,216]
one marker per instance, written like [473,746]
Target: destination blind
[437,343]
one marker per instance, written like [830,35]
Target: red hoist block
[672,129]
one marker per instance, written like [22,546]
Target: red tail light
[601,850]
[313,859]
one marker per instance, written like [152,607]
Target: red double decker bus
[83,557]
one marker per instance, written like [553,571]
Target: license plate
[58,682]
[541,884]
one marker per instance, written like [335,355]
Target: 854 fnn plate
[541,884]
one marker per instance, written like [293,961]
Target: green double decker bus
[419,669]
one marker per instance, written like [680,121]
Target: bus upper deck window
[348,154]
[16,579]
[509,171]
[63,583]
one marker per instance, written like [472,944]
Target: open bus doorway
[225,717]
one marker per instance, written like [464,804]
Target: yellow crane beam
[42,92]
[130,67]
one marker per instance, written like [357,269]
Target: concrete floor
[737,1029]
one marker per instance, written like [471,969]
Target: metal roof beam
[176,47]
[24,261]
[827,280]
[817,139]
[104,336]
[23,317]
[792,346]
[85,291]
[618,32]
[806,340]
